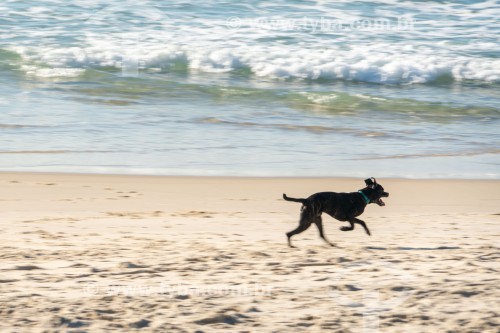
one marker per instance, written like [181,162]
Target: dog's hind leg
[363,224]
[305,222]
[300,228]
[319,223]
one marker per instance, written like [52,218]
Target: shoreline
[138,175]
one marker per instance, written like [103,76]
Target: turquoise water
[292,88]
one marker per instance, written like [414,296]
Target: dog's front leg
[350,228]
[363,224]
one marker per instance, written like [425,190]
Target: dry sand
[88,253]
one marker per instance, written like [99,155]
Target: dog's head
[377,191]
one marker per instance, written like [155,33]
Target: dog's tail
[302,201]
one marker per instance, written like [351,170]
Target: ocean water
[257,88]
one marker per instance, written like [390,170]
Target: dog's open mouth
[379,201]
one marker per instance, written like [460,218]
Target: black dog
[341,206]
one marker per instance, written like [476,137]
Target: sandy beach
[101,253]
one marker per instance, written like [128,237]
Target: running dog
[341,206]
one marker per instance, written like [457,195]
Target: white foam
[320,98]
[52,72]
[428,52]
[351,65]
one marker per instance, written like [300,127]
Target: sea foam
[278,41]
[357,64]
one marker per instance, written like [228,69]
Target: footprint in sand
[195,213]
[135,215]
[128,264]
[26,268]
[123,194]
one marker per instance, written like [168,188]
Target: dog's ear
[374,181]
[369,182]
